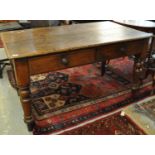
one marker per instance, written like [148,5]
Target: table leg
[22,76]
[138,73]
[103,66]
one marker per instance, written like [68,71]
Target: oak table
[41,50]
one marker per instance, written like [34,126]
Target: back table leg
[103,66]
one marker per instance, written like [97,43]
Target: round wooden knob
[123,49]
[64,61]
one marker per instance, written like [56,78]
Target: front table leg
[22,75]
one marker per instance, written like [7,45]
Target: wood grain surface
[41,41]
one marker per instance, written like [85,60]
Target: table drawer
[48,63]
[121,49]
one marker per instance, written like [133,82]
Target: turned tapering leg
[103,67]
[22,76]
[138,73]
[104,64]
[24,94]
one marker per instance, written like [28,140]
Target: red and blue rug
[65,99]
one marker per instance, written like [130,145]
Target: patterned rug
[111,125]
[72,96]
[75,87]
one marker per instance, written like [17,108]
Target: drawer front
[122,49]
[55,62]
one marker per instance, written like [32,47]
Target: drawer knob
[123,49]
[64,61]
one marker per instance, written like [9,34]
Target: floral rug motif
[69,97]
[74,86]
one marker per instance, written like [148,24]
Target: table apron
[53,62]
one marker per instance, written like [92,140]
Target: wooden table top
[40,41]
[137,23]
